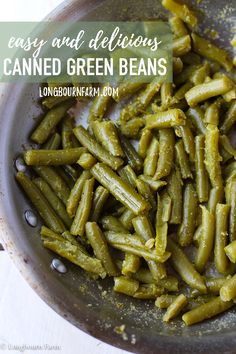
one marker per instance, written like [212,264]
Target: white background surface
[25,320]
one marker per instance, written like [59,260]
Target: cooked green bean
[132,128]
[55,181]
[206,311]
[230,118]
[174,189]
[100,197]
[206,241]
[143,227]
[163,208]
[111,223]
[210,51]
[53,143]
[216,196]
[208,90]
[99,106]
[170,282]
[181,45]
[212,156]
[181,10]
[230,251]
[177,66]
[225,142]
[212,114]
[232,214]
[145,190]
[186,229]
[148,291]
[196,115]
[100,247]
[175,308]
[40,203]
[86,161]
[126,219]
[53,157]
[119,188]
[214,284]
[164,301]
[134,159]
[166,154]
[84,208]
[68,139]
[96,149]
[182,160]
[150,162]
[128,174]
[180,93]
[185,268]
[220,258]
[106,133]
[154,185]
[178,27]
[71,252]
[228,290]
[188,139]
[171,118]
[202,183]
[130,264]
[127,88]
[50,121]
[53,200]
[125,285]
[144,142]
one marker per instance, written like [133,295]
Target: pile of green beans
[154,206]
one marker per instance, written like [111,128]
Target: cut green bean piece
[40,203]
[150,162]
[100,197]
[130,264]
[143,227]
[53,157]
[75,194]
[212,114]
[181,10]
[53,143]
[220,258]
[206,241]
[171,118]
[230,251]
[185,268]
[208,50]
[128,174]
[144,142]
[175,308]
[120,189]
[55,181]
[196,115]
[148,291]
[216,196]
[99,105]
[100,247]
[73,253]
[111,223]
[178,27]
[164,301]
[145,190]
[125,285]
[190,204]
[68,139]
[215,284]
[226,144]
[50,121]
[166,154]
[106,133]
[133,158]
[170,282]
[84,208]
[53,200]
[202,183]
[208,90]
[181,46]
[127,88]
[228,290]
[96,149]
[126,219]
[232,215]
[206,311]
[154,185]
[212,156]
[174,189]
[182,160]
[188,139]
[230,118]
[86,161]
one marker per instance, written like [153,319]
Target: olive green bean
[130,264]
[230,251]
[216,196]
[96,149]
[86,161]
[150,162]
[126,219]
[127,88]
[206,311]
[99,105]
[230,118]
[125,285]
[202,183]
[214,284]
[148,291]
[207,90]
[171,118]
[100,247]
[166,154]
[84,208]
[120,189]
[101,195]
[144,142]
[228,290]
[40,203]
[188,139]
[196,115]
[185,268]
[55,181]
[182,160]
[226,144]
[206,241]
[178,27]
[50,121]
[164,301]
[181,10]
[53,143]
[188,225]
[154,185]
[232,214]
[133,158]
[220,258]
[53,157]
[128,174]
[145,190]
[67,136]
[174,189]
[111,223]
[175,308]
[181,45]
